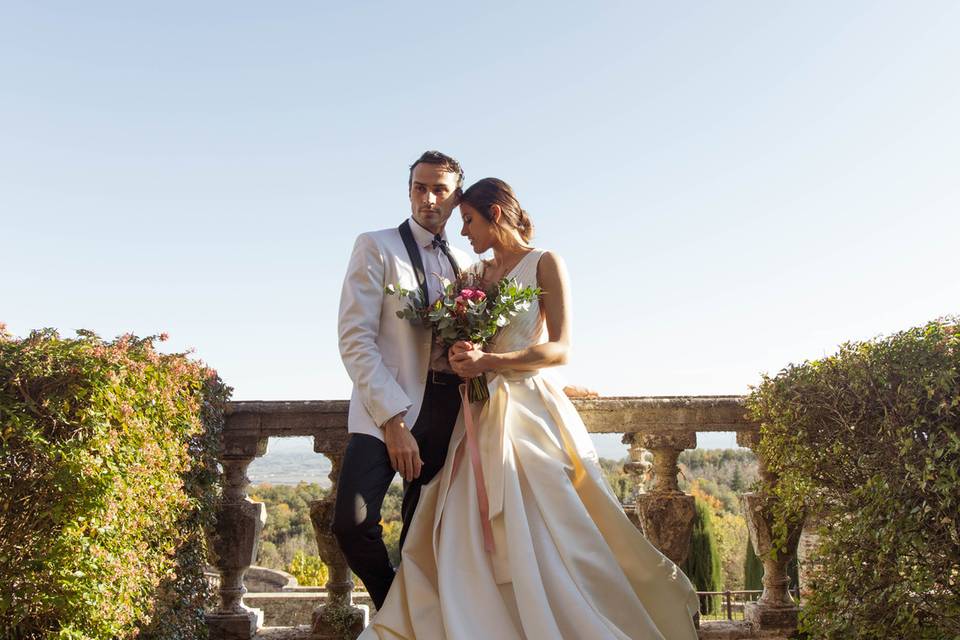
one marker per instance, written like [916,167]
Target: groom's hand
[402,448]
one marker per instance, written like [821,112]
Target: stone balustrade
[663,426]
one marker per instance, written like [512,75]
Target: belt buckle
[436,377]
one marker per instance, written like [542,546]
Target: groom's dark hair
[445,162]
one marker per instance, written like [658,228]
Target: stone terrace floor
[708,631]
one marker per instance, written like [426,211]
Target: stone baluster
[338,617]
[236,536]
[638,467]
[775,609]
[665,513]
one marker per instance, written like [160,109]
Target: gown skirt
[565,560]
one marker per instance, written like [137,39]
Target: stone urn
[775,609]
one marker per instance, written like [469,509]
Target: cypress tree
[737,483]
[703,562]
[752,570]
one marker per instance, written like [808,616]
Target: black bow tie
[439,243]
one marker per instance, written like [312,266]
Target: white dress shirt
[434,262]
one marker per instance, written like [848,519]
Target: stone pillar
[807,553]
[775,609]
[235,540]
[665,513]
[338,618]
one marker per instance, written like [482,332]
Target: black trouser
[365,475]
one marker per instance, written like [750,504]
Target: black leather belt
[443,377]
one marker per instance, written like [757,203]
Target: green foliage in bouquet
[465,311]
[867,441]
[108,486]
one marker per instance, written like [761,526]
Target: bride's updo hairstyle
[485,193]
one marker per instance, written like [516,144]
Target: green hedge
[869,439]
[108,483]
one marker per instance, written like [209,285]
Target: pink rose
[472,294]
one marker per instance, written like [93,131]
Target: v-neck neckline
[514,267]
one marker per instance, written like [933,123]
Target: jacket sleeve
[361,304]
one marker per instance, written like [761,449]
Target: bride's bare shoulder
[551,266]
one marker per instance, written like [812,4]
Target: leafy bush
[391,538]
[732,538]
[309,570]
[869,440]
[107,486]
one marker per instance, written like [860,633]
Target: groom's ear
[457,195]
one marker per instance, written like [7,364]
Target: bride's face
[476,228]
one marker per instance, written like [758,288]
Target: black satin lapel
[414,252]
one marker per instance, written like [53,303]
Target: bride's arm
[555,304]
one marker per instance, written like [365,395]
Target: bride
[535,545]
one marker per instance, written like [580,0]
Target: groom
[405,397]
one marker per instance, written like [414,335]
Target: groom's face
[433,196]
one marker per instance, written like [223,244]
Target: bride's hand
[459,347]
[580,392]
[467,363]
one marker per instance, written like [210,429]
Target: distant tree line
[713,476]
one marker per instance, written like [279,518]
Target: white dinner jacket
[386,357]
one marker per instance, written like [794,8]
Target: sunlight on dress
[566,562]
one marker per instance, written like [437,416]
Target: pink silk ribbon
[474,449]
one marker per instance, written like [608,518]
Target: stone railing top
[652,414]
[664,414]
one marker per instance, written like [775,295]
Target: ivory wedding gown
[565,560]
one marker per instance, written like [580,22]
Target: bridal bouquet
[465,311]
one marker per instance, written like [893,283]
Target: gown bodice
[527,328]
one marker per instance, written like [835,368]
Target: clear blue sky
[734,186]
